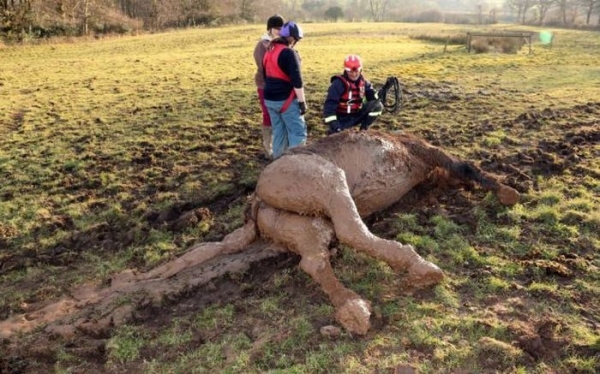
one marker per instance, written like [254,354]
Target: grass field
[106,146]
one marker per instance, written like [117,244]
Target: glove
[334,126]
[303,107]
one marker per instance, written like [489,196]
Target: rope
[390,95]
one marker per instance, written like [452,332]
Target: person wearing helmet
[274,24]
[284,90]
[351,99]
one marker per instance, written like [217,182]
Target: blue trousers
[364,118]
[289,128]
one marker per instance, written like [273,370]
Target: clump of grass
[125,345]
[497,354]
[215,317]
[177,334]
[497,44]
[494,138]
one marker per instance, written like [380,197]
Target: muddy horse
[315,194]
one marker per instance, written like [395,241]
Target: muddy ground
[574,141]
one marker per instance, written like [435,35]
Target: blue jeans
[289,128]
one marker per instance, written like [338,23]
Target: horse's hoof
[354,316]
[423,273]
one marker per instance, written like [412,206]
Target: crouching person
[351,99]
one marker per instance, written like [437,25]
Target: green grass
[105,143]
[125,345]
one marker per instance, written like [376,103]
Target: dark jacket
[339,89]
[289,62]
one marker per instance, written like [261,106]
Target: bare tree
[85,16]
[567,7]
[247,9]
[521,7]
[542,7]
[590,7]
[126,7]
[378,9]
[17,15]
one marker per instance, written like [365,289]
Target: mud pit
[87,316]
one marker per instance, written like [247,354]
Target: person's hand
[334,127]
[303,108]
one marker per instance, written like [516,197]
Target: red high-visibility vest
[352,99]
[272,69]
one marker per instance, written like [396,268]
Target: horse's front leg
[310,238]
[309,184]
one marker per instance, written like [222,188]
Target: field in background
[107,146]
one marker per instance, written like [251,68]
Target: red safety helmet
[352,63]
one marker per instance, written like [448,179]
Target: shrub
[108,28]
[454,39]
[334,13]
[430,16]
[460,18]
[497,44]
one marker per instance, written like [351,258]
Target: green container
[546,37]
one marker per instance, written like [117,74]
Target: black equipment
[390,95]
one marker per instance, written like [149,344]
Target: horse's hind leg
[309,184]
[310,238]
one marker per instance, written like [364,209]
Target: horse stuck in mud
[303,202]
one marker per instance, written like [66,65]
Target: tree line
[561,12]
[20,19]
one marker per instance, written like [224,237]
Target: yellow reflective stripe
[330,118]
[374,114]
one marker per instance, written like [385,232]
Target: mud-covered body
[378,168]
[317,192]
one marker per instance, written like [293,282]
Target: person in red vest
[274,24]
[284,90]
[351,99]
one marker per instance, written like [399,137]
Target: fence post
[468,42]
